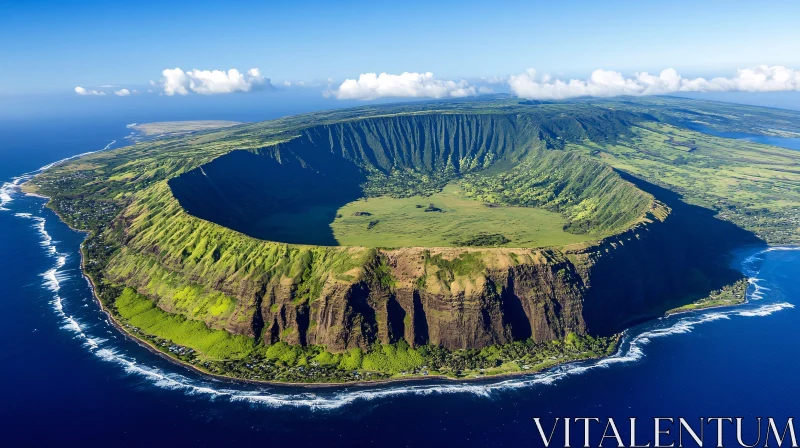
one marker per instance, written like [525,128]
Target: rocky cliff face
[539,296]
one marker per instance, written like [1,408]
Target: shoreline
[318,385]
[151,348]
[671,313]
[703,307]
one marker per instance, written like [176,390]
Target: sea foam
[9,189]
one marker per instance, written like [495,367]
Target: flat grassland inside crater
[443,219]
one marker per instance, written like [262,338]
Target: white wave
[5,194]
[765,310]
[758,289]
[39,222]
[72,324]
[53,277]
[51,281]
[632,352]
[774,248]
[749,268]
[8,189]
[66,159]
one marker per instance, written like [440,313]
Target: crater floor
[444,219]
[395,182]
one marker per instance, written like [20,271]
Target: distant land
[173,128]
[459,239]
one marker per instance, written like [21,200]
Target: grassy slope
[593,198]
[755,186]
[143,315]
[170,254]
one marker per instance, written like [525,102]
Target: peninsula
[453,238]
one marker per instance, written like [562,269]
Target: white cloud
[370,86]
[85,92]
[301,83]
[210,82]
[610,83]
[493,80]
[123,92]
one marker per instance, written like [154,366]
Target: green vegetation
[590,195]
[483,239]
[461,220]
[284,362]
[755,186]
[721,116]
[393,359]
[233,356]
[468,263]
[727,296]
[143,316]
[237,250]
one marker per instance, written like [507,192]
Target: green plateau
[451,238]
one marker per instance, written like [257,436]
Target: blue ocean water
[68,377]
[785,142]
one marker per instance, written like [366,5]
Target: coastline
[91,214]
[736,295]
[675,312]
[151,348]
[322,385]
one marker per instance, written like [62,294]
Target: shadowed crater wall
[290,192]
[671,264]
[247,191]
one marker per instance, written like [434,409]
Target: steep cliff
[680,257]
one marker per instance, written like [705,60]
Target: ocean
[785,142]
[68,377]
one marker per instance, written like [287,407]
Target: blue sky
[55,46]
